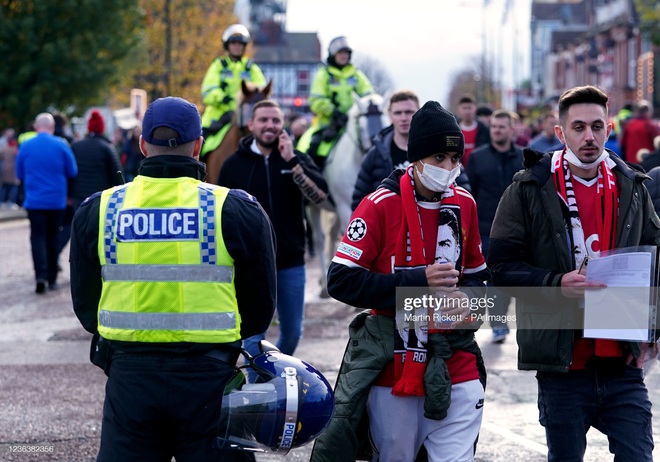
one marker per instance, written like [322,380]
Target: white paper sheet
[620,311]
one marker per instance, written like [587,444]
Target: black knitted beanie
[433,129]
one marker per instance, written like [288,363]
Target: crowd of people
[174,275]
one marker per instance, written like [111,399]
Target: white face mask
[573,159]
[437,179]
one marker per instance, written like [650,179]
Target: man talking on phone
[267,166]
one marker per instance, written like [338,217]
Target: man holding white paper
[564,207]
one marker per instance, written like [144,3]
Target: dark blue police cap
[175,113]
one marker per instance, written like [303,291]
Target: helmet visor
[259,417]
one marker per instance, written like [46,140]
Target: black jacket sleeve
[361,288]
[309,178]
[508,249]
[250,240]
[86,282]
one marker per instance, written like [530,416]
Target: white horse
[365,119]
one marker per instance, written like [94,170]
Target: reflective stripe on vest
[167,321]
[167,273]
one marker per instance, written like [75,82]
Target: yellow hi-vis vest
[167,275]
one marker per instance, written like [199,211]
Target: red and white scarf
[606,221]
[410,356]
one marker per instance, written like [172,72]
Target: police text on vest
[177,224]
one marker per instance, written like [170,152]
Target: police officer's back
[169,273]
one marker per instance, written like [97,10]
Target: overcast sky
[422,43]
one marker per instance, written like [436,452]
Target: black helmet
[288,405]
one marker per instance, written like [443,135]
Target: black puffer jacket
[377,166]
[98,165]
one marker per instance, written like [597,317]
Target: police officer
[169,273]
[223,80]
[330,98]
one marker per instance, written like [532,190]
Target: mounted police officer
[331,97]
[223,82]
[169,273]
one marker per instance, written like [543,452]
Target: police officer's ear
[143,149]
[198,147]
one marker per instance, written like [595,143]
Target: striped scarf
[410,354]
[606,221]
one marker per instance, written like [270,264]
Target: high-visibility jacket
[223,79]
[23,137]
[332,89]
[167,275]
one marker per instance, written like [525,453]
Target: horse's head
[250,95]
[369,118]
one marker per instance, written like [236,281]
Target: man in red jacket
[638,132]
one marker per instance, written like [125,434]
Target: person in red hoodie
[638,133]
[476,133]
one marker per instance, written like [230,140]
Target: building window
[303,81]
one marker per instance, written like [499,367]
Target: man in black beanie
[418,230]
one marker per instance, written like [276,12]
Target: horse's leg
[331,223]
[314,214]
[330,226]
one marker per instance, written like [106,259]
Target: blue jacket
[44,165]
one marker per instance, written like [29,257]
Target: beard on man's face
[267,144]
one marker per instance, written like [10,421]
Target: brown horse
[249,95]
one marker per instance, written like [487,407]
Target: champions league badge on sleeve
[178,224]
[356,229]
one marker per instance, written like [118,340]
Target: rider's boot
[314,144]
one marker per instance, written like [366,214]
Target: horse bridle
[244,113]
[374,123]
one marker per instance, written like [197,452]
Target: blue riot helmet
[288,404]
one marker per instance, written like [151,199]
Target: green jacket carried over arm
[370,348]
